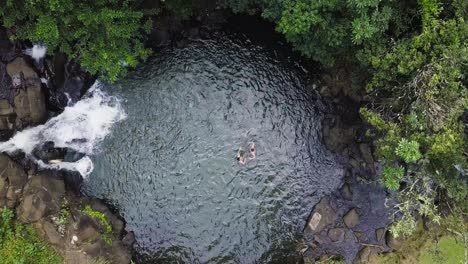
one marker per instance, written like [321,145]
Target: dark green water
[170,167]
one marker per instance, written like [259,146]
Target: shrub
[105,36]
[418,91]
[408,150]
[391,176]
[20,244]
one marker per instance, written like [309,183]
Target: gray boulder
[322,216]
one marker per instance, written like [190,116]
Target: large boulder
[12,180]
[27,107]
[42,196]
[322,216]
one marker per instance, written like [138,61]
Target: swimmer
[240,156]
[253,151]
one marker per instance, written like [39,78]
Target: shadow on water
[171,169]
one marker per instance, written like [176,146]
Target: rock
[13,179]
[55,187]
[160,38]
[7,119]
[28,100]
[379,234]
[95,249]
[129,239]
[33,207]
[3,187]
[87,230]
[336,234]
[366,154]
[42,196]
[337,136]
[392,242]
[19,68]
[114,221]
[77,257]
[308,260]
[322,216]
[351,219]
[346,192]
[52,235]
[366,255]
[30,107]
[361,237]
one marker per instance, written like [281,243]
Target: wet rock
[361,237]
[337,136]
[114,221]
[379,234]
[366,154]
[160,38]
[47,152]
[322,216]
[392,242]
[351,219]
[336,234]
[346,192]
[129,239]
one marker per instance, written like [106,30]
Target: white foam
[79,127]
[37,52]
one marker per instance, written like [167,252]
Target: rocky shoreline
[77,226]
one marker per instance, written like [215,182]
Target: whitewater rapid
[80,127]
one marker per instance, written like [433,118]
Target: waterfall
[37,52]
[80,127]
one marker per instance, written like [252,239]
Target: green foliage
[391,176]
[326,30]
[408,150]
[418,92]
[64,213]
[20,244]
[64,216]
[103,220]
[105,36]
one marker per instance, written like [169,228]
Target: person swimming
[253,151]
[240,156]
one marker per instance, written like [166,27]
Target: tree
[105,36]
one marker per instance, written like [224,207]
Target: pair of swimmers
[242,156]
